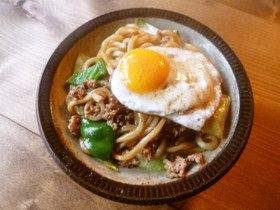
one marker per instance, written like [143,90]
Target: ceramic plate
[140,186]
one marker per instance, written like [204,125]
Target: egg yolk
[144,70]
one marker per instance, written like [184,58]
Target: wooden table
[30,31]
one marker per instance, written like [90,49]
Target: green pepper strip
[98,138]
[94,72]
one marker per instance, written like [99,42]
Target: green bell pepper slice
[98,138]
[94,72]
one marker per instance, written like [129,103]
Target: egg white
[190,96]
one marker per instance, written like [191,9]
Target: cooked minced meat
[81,90]
[149,150]
[116,114]
[78,93]
[91,108]
[90,84]
[177,168]
[196,158]
[175,133]
[74,124]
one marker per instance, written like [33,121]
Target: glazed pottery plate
[136,185]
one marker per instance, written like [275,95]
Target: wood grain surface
[30,30]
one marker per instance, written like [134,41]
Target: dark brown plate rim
[141,194]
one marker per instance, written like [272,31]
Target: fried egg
[181,85]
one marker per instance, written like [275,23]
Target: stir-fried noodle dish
[147,100]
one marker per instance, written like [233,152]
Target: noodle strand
[142,143]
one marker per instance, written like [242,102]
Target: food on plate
[147,101]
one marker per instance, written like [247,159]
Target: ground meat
[78,93]
[74,124]
[178,168]
[149,150]
[176,134]
[92,109]
[116,114]
[90,84]
[174,129]
[196,158]
[81,90]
